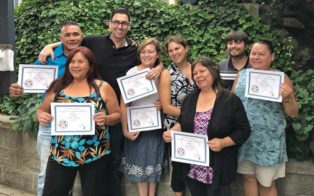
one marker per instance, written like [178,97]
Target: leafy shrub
[204,26]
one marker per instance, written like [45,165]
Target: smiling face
[177,52]
[202,77]
[79,66]
[236,48]
[119,26]
[149,55]
[261,57]
[71,37]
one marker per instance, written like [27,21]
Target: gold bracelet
[286,100]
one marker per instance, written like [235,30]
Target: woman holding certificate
[262,158]
[72,152]
[175,83]
[220,116]
[144,151]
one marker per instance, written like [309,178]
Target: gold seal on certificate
[36,78]
[72,119]
[189,148]
[143,118]
[264,85]
[136,86]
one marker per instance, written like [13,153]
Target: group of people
[245,135]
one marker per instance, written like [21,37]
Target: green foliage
[204,26]
[23,111]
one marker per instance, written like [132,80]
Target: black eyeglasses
[122,23]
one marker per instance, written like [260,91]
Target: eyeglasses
[122,23]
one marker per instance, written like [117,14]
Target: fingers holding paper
[44,118]
[100,118]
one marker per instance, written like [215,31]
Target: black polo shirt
[112,62]
[228,73]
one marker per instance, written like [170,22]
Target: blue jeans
[43,149]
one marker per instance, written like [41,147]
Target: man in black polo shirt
[237,42]
[115,55]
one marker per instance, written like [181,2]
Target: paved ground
[8,191]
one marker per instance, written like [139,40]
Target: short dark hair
[213,68]
[121,10]
[238,36]
[266,43]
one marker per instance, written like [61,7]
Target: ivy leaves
[204,26]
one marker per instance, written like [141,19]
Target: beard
[238,55]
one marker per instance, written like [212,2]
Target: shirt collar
[59,50]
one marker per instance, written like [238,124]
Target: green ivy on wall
[204,26]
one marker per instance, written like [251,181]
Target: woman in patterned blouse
[175,83]
[87,154]
[221,116]
[263,156]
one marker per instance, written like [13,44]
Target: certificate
[143,118]
[36,78]
[189,148]
[72,119]
[136,86]
[264,85]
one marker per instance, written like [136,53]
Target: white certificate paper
[189,148]
[143,118]
[264,85]
[36,78]
[136,86]
[72,119]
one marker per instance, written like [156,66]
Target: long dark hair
[59,84]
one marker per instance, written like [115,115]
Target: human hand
[132,135]
[154,73]
[167,136]
[15,90]
[100,118]
[285,91]
[44,53]
[158,104]
[216,144]
[44,118]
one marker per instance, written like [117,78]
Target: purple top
[202,174]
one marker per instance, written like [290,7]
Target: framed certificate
[72,119]
[136,86]
[36,78]
[189,148]
[143,118]
[264,85]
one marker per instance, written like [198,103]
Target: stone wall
[19,167]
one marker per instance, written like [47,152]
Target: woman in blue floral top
[87,154]
[263,156]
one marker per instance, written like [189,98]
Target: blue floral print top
[76,150]
[267,143]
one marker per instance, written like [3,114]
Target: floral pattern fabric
[267,143]
[202,174]
[76,150]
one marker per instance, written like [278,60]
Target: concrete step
[8,191]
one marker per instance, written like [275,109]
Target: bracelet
[286,100]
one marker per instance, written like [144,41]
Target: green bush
[204,26]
